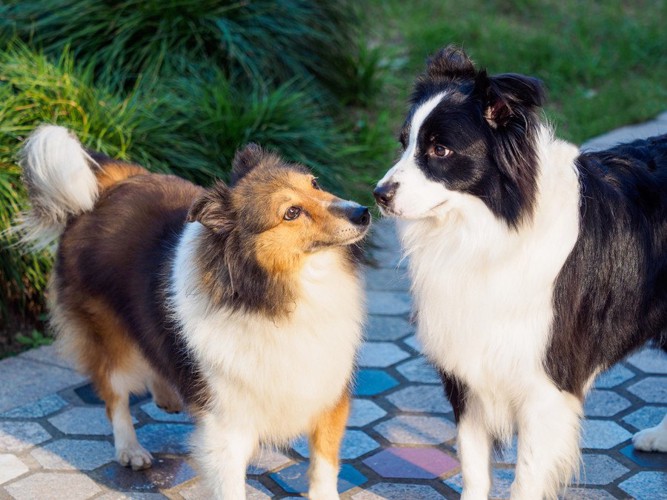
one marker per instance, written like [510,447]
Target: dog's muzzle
[384,194]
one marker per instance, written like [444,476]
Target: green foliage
[35,339]
[603,63]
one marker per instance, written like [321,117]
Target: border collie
[243,302]
[535,266]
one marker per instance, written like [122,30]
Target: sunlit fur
[534,267]
[209,298]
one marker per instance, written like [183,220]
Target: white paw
[134,456]
[323,493]
[652,439]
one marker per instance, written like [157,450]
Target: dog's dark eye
[441,151]
[292,213]
[315,184]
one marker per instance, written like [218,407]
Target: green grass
[604,63]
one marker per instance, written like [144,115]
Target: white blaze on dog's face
[415,195]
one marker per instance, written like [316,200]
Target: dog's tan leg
[325,439]
[164,395]
[116,394]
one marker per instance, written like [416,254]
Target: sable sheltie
[243,302]
[534,266]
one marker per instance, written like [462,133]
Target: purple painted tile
[414,463]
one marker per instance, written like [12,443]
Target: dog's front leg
[548,423]
[474,443]
[223,451]
[325,439]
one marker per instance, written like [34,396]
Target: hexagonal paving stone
[616,375]
[380,354]
[419,370]
[604,404]
[164,474]
[18,436]
[364,412]
[267,460]
[649,361]
[397,491]
[508,454]
[72,454]
[646,486]
[422,398]
[501,485]
[602,434]
[406,429]
[648,460]
[414,343]
[586,494]
[165,438]
[57,484]
[294,479]
[156,413]
[391,279]
[91,421]
[388,303]
[11,467]
[254,490]
[373,382]
[650,389]
[411,463]
[600,469]
[387,328]
[646,416]
[355,444]
[40,408]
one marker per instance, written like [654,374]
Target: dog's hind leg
[549,422]
[325,439]
[116,394]
[164,395]
[652,439]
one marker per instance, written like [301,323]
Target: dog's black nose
[385,193]
[360,216]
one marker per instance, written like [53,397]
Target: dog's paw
[323,495]
[134,456]
[652,439]
[168,400]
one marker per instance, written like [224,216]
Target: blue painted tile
[165,438]
[616,375]
[388,303]
[364,412]
[651,389]
[600,469]
[649,361]
[389,328]
[412,429]
[586,494]
[355,443]
[602,434]
[646,486]
[294,479]
[40,408]
[604,404]
[419,370]
[397,491]
[645,417]
[421,398]
[645,459]
[373,382]
[380,354]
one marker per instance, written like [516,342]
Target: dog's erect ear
[213,209]
[450,62]
[508,95]
[245,160]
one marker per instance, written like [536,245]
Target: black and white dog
[535,266]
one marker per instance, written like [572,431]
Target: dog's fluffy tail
[63,180]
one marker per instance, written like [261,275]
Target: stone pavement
[55,441]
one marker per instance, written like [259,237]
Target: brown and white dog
[241,301]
